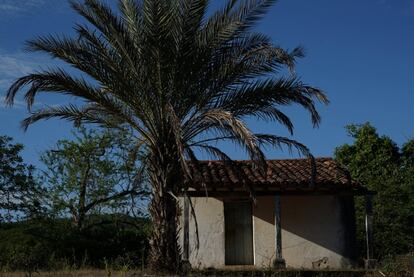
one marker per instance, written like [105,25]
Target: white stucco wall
[312,232]
[264,232]
[210,220]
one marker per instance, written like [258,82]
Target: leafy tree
[93,175]
[379,164]
[20,195]
[182,80]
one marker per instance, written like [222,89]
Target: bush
[402,265]
[56,244]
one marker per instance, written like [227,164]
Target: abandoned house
[294,221]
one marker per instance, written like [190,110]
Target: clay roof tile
[291,174]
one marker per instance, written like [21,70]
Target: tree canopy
[96,173]
[382,166]
[20,194]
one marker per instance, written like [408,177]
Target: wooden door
[238,233]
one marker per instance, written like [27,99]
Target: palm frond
[216,153]
[279,142]
[225,123]
[111,27]
[131,12]
[90,54]
[236,18]
[212,151]
[71,113]
[254,96]
[175,123]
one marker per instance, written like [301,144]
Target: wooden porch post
[370,262]
[186,237]
[279,261]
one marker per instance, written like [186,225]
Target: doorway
[238,233]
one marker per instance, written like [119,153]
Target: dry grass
[79,273]
[110,273]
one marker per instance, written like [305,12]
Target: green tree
[93,175]
[182,79]
[379,164]
[20,194]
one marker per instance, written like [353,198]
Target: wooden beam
[186,228]
[279,261]
[278,228]
[368,226]
[370,262]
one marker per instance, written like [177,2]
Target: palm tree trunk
[164,250]
[164,253]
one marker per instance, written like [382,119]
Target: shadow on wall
[327,221]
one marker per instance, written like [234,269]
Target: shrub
[57,244]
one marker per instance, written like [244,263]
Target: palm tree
[181,79]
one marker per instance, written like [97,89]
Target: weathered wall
[210,220]
[313,232]
[264,231]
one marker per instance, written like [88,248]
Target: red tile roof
[291,175]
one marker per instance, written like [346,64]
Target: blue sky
[360,53]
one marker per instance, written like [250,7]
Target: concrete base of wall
[370,264]
[279,264]
[284,273]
